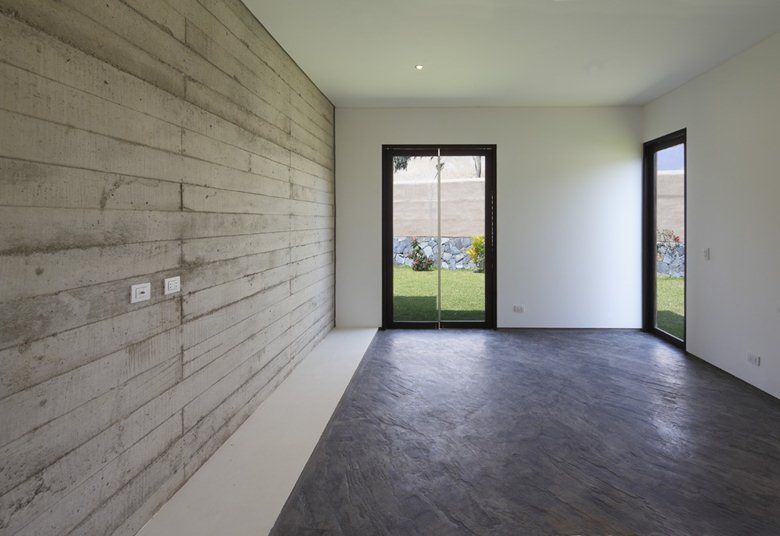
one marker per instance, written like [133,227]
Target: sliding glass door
[665,264]
[439,236]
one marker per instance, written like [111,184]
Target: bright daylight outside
[670,241]
[416,262]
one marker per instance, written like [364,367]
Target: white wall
[732,114]
[569,208]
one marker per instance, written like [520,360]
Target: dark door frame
[489,152]
[649,234]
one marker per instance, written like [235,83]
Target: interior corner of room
[487,267]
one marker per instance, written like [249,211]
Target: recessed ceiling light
[418,67]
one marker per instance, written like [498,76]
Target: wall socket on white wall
[754,359]
[518,308]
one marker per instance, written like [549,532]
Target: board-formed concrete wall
[143,139]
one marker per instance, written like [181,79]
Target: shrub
[420,261]
[667,236]
[477,252]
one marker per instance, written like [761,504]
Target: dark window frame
[649,291]
[489,152]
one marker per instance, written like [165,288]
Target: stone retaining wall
[454,256]
[670,259]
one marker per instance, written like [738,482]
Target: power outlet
[172,285]
[754,359]
[518,309]
[141,292]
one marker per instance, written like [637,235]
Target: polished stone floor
[588,432]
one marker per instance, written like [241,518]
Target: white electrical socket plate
[140,292]
[172,285]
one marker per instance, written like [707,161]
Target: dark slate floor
[540,432]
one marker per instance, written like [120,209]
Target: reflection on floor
[540,432]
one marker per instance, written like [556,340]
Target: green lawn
[414,295]
[463,297]
[671,305]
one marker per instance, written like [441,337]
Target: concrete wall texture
[415,208]
[143,139]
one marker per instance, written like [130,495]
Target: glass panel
[463,238]
[670,240]
[415,231]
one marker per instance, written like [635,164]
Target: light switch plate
[141,292]
[172,285]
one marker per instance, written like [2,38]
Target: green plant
[477,252]
[420,261]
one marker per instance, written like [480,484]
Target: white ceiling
[511,52]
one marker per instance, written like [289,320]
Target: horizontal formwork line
[196,265]
[282,163]
[139,110]
[69,166]
[281,50]
[240,388]
[330,271]
[284,113]
[171,360]
[173,268]
[251,355]
[231,304]
[233,77]
[206,237]
[108,136]
[143,275]
[189,321]
[242,276]
[319,254]
[23,250]
[45,250]
[302,289]
[227,51]
[317,312]
[156,56]
[94,359]
[53,207]
[239,191]
[308,287]
[169,447]
[326,190]
[290,149]
[233,341]
[102,319]
[234,324]
[262,195]
[278,214]
[153,148]
[327,140]
[104,463]
[158,117]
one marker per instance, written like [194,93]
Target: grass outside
[414,299]
[670,304]
[463,298]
